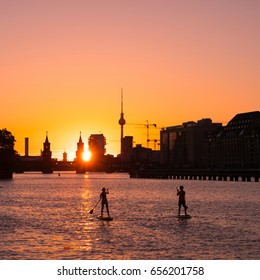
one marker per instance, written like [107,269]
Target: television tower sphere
[122,120]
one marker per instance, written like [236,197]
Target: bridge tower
[46,156]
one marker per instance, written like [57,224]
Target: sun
[87,155]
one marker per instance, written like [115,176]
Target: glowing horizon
[63,65]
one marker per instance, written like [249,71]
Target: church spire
[46,139]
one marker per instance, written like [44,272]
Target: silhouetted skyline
[64,63]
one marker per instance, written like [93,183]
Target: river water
[46,216]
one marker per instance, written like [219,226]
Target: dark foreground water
[47,217]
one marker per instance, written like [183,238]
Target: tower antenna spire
[121,120]
[122,101]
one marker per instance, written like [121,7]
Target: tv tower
[121,121]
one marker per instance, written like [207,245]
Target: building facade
[237,145]
[126,150]
[97,143]
[47,166]
[80,150]
[208,145]
[181,145]
[79,162]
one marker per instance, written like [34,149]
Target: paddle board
[105,218]
[182,216]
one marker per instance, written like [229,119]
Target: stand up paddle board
[183,216]
[105,218]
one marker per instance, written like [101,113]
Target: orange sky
[63,63]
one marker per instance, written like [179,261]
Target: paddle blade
[91,211]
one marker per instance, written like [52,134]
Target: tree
[6,140]
[7,153]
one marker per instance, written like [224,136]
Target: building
[126,150]
[47,166]
[141,157]
[208,145]
[79,162]
[64,156]
[46,153]
[182,145]
[80,150]
[26,148]
[237,145]
[97,143]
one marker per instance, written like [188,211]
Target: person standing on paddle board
[103,197]
[182,201]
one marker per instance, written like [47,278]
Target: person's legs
[107,209]
[102,209]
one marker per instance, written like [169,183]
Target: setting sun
[87,155]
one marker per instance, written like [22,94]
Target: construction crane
[147,125]
[155,142]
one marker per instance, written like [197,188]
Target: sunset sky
[63,64]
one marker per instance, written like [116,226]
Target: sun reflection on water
[48,217]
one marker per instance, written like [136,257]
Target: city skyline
[63,65]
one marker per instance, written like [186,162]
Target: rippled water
[47,217]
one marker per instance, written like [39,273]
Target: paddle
[91,211]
